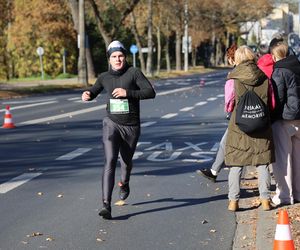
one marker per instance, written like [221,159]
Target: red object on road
[8,123]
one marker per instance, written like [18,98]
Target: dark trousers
[118,140]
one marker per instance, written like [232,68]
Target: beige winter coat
[242,149]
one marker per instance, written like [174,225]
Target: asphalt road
[51,165]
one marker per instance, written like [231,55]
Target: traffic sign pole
[40,52]
[134,49]
[134,63]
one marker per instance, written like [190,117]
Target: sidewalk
[255,227]
[17,89]
[35,83]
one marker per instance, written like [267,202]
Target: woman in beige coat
[243,149]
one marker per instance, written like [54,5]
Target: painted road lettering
[165,151]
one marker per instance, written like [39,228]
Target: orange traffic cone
[283,237]
[8,123]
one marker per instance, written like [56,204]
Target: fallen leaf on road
[60,196]
[99,240]
[244,237]
[212,230]
[120,203]
[35,234]
[40,193]
[204,222]
[49,239]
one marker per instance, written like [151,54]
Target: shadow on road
[182,203]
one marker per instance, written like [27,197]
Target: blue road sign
[134,49]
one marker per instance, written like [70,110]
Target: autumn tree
[110,15]
[42,23]
[5,7]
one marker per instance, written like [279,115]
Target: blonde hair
[280,50]
[243,54]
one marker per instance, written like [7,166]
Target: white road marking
[215,147]
[73,154]
[56,117]
[28,101]
[17,181]
[147,124]
[80,101]
[221,95]
[186,109]
[74,98]
[200,103]
[167,116]
[83,111]
[212,82]
[29,105]
[211,99]
[174,91]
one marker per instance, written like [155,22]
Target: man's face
[117,60]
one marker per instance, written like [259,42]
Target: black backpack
[252,114]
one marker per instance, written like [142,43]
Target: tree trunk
[178,50]
[158,51]
[105,35]
[194,52]
[138,42]
[168,55]
[73,4]
[90,64]
[150,43]
[168,48]
[82,68]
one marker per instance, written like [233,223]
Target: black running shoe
[105,212]
[207,174]
[124,190]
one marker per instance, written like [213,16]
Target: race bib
[119,106]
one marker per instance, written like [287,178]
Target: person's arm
[92,92]
[271,96]
[145,90]
[279,81]
[229,95]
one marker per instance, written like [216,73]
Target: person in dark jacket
[125,86]
[286,125]
[248,149]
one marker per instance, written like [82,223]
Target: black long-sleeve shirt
[137,88]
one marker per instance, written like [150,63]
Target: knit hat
[115,46]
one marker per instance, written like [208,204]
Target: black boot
[124,190]
[105,212]
[206,172]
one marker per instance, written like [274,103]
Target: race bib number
[119,106]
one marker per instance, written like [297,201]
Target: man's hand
[86,96]
[119,92]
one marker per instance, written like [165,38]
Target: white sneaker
[276,201]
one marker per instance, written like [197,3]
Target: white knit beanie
[115,46]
